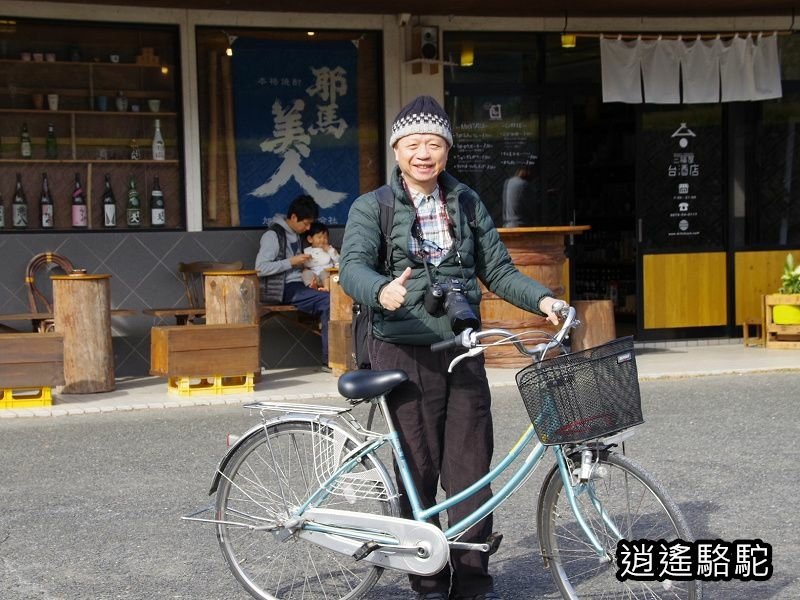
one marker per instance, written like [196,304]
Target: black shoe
[326,369]
[492,595]
[432,596]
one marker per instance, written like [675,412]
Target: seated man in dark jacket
[444,419]
[280,261]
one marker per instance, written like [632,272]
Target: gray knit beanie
[422,115]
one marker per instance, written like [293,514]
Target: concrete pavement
[655,360]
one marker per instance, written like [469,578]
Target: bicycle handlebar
[470,339]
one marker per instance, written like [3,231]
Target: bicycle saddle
[366,383]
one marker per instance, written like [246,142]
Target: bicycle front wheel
[639,508]
[271,475]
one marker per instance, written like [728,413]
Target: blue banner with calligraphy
[296,127]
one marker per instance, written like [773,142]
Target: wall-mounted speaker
[427,39]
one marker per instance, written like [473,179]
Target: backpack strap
[468,208]
[386,216]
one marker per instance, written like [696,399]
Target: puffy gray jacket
[483,256]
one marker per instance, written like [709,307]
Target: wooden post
[340,344]
[231,297]
[230,141]
[82,314]
[597,324]
[213,148]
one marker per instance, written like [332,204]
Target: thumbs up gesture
[393,294]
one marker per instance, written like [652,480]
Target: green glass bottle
[51,143]
[133,209]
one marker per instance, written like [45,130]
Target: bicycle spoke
[622,494]
[270,476]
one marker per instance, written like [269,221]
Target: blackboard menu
[492,139]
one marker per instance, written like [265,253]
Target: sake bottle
[19,206]
[133,210]
[80,216]
[109,205]
[46,204]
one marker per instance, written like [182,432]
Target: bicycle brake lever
[468,354]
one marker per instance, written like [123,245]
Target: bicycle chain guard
[409,535]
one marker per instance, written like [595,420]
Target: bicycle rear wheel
[268,477]
[640,509]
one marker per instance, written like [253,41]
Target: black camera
[448,297]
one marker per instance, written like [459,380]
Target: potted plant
[788,314]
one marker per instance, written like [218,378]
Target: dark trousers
[445,423]
[313,302]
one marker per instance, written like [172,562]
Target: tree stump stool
[231,297]
[82,314]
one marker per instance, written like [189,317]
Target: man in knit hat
[444,419]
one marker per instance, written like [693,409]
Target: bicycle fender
[259,429]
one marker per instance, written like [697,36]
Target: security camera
[403,19]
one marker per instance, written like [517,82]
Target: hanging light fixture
[568,40]
[231,40]
[467,54]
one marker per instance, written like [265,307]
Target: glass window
[773,201]
[580,64]
[287,114]
[494,108]
[80,105]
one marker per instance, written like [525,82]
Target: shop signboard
[680,193]
[296,126]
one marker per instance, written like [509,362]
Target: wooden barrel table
[538,252]
[82,314]
[597,324]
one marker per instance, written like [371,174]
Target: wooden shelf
[86,161]
[91,143]
[80,63]
[93,113]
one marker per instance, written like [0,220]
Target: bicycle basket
[584,395]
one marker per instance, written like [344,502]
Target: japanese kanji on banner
[296,127]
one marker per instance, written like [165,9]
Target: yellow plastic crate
[216,385]
[33,397]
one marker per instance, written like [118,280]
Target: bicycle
[306,508]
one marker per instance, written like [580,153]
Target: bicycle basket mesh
[583,395]
[330,453]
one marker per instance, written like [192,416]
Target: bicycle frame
[422,514]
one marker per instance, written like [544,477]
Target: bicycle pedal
[494,542]
[366,549]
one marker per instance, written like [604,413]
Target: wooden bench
[224,358]
[289,312]
[779,336]
[31,364]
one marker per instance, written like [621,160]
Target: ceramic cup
[25,56]
[52,101]
[38,56]
[134,108]
[122,103]
[50,57]
[38,101]
[101,103]
[154,104]
[114,58]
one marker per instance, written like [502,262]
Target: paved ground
[696,357]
